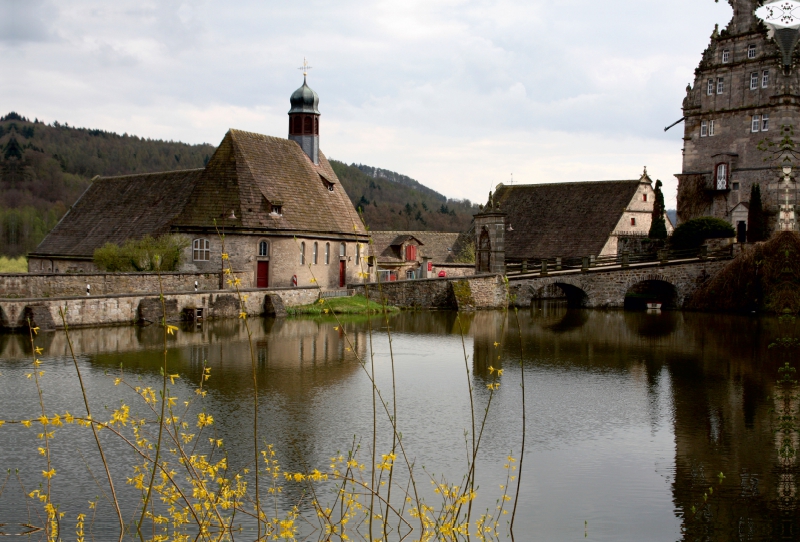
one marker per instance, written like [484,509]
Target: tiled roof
[562,219]
[114,209]
[434,245]
[249,172]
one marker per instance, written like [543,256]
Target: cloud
[25,21]
[456,93]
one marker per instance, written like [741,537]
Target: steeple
[304,118]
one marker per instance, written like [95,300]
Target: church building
[283,212]
[745,92]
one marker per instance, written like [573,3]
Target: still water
[631,417]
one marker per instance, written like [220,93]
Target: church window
[307,128]
[764,122]
[756,124]
[751,51]
[298,125]
[765,79]
[263,249]
[201,250]
[314,254]
[358,253]
[726,56]
[722,177]
[302,253]
[327,253]
[633,221]
[316,126]
[754,81]
[711,127]
[720,85]
[710,89]
[342,250]
[703,128]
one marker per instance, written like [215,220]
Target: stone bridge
[670,283]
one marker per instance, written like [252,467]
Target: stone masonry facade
[466,294]
[741,96]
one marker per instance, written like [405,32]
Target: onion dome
[304,100]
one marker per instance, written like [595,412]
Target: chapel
[285,217]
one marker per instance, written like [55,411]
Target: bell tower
[304,118]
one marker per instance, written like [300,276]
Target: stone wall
[25,285]
[472,293]
[129,308]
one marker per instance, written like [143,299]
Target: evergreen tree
[658,226]
[756,228]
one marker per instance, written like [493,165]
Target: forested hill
[44,168]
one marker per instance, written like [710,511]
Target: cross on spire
[305,67]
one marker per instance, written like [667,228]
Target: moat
[631,416]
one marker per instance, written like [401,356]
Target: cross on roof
[305,67]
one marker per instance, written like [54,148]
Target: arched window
[327,253]
[291,125]
[316,125]
[201,251]
[315,253]
[342,250]
[298,125]
[307,127]
[302,253]
[722,176]
[263,249]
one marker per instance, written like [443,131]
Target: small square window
[726,56]
[710,89]
[735,186]
[764,122]
[276,210]
[711,127]
[720,85]
[751,51]
[704,128]
[754,81]
[765,79]
[756,124]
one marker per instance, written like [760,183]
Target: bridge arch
[566,288]
[651,288]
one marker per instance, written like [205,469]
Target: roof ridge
[245,132]
[103,177]
[571,182]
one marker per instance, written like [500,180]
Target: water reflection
[632,416]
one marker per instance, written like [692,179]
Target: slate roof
[114,209]
[250,172]
[564,220]
[434,245]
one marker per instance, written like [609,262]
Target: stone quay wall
[30,285]
[475,292]
[133,308]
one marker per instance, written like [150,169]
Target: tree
[658,226]
[695,232]
[756,230]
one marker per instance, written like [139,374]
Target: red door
[342,273]
[262,278]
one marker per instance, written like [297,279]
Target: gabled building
[561,220]
[746,88]
[408,255]
[285,217]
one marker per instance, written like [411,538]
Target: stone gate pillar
[490,252]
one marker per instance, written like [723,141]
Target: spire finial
[305,67]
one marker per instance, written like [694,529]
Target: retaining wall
[125,308]
[463,293]
[30,285]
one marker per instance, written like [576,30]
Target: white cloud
[456,93]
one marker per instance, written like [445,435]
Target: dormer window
[326,183]
[751,51]
[276,209]
[726,56]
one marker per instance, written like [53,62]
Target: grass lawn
[356,304]
[13,265]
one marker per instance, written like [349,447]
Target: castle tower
[304,119]
[746,88]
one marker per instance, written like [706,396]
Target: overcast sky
[458,94]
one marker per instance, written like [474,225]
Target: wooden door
[342,277]
[262,277]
